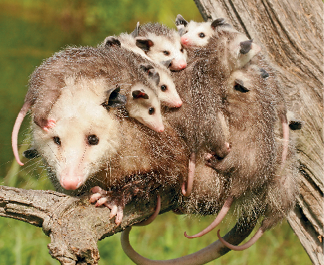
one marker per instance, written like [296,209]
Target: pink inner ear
[50,124]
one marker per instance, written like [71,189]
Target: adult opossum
[162,44]
[48,81]
[92,145]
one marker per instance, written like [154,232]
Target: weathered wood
[291,36]
[59,215]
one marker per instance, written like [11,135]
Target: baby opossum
[165,88]
[196,34]
[162,44]
[45,88]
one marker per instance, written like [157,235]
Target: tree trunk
[291,36]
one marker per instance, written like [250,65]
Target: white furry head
[143,105]
[161,80]
[162,44]
[197,34]
[85,134]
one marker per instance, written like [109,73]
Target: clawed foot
[213,159]
[102,197]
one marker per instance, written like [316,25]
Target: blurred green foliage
[31,31]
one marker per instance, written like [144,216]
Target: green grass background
[31,31]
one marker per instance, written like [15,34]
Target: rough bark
[73,224]
[291,36]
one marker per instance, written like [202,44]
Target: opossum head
[162,44]
[197,34]
[161,79]
[232,49]
[84,137]
[143,105]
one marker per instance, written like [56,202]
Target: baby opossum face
[196,34]
[84,137]
[161,80]
[143,105]
[161,49]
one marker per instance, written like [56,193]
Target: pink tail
[154,215]
[217,220]
[191,174]
[285,132]
[14,136]
[248,244]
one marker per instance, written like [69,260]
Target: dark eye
[166,52]
[201,35]
[182,50]
[57,140]
[93,139]
[164,88]
[151,111]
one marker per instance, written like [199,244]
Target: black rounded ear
[135,32]
[218,22]
[144,43]
[239,86]
[245,46]
[152,73]
[31,153]
[114,99]
[295,125]
[264,73]
[180,22]
[139,94]
[167,63]
[112,41]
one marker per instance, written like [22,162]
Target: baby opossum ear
[139,94]
[144,43]
[245,46]
[264,73]
[31,153]
[114,99]
[152,73]
[180,22]
[166,63]
[239,86]
[135,32]
[219,22]
[111,41]
[295,125]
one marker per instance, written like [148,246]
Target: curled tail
[14,136]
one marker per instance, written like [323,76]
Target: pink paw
[101,197]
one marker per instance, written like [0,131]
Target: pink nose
[184,40]
[178,104]
[70,183]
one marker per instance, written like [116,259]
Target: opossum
[164,84]
[162,44]
[95,146]
[45,88]
[252,175]
[196,34]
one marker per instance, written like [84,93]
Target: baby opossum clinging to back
[164,84]
[253,174]
[155,42]
[135,82]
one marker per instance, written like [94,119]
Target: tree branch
[73,224]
